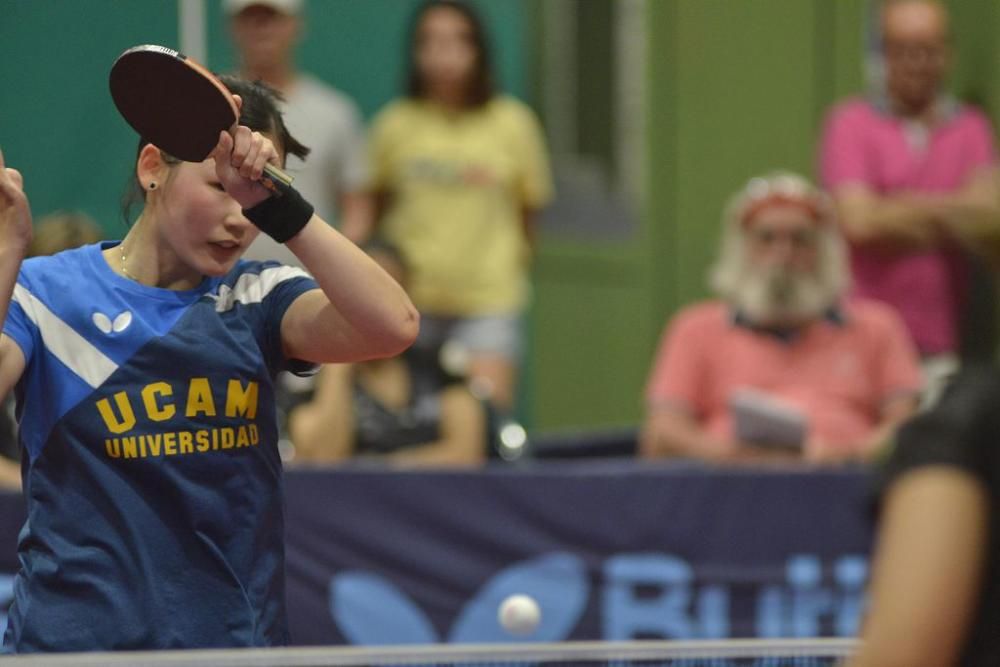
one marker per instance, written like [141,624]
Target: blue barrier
[610,550]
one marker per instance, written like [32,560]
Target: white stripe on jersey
[254,287]
[69,347]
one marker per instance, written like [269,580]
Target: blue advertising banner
[609,551]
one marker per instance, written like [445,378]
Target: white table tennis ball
[519,614]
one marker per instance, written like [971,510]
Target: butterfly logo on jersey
[106,325]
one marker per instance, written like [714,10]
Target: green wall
[735,87]
[58,125]
[726,117]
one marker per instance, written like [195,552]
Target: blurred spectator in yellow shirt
[458,171]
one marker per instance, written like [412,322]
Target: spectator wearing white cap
[265,33]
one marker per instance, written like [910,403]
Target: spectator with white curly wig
[780,364]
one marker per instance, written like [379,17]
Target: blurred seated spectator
[10,453]
[10,475]
[55,232]
[63,230]
[402,409]
[781,366]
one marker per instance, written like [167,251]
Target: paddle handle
[275,180]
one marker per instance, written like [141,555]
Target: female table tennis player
[143,371]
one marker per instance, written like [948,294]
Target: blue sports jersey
[151,471]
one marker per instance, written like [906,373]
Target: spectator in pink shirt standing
[913,174]
[839,375]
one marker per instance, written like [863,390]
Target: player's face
[446,54]
[204,226]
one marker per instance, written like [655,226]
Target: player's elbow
[401,332]
[407,328]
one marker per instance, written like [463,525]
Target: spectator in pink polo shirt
[843,373]
[914,174]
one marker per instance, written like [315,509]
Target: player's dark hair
[260,112]
[481,87]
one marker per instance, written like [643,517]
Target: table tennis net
[730,653]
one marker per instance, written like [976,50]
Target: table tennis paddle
[178,105]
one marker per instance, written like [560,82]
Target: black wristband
[282,217]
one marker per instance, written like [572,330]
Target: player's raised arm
[15,234]
[361,312]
